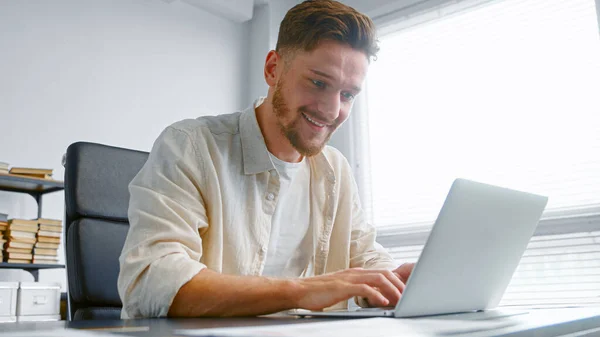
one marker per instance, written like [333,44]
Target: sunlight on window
[507,94]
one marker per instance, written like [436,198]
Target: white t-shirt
[291,240]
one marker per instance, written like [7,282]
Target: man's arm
[166,210]
[213,294]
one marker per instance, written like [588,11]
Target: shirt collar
[254,149]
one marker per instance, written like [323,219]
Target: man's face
[315,92]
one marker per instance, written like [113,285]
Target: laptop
[471,253]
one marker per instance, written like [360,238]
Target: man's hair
[312,21]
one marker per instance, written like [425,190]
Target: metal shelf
[6,265]
[30,267]
[33,186]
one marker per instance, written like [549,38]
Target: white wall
[111,71]
[263,29]
[260,31]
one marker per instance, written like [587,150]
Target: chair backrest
[96,201]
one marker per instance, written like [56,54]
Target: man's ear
[272,63]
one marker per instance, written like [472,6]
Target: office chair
[96,224]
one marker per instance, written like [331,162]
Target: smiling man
[251,213]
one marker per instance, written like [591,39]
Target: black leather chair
[96,202]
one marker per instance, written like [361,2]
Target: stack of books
[20,237]
[48,239]
[3,228]
[3,168]
[31,172]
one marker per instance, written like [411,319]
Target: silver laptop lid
[472,251]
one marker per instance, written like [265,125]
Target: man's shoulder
[209,125]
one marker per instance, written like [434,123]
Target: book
[44,261]
[17,244]
[23,222]
[51,228]
[46,245]
[33,176]
[18,250]
[44,257]
[20,234]
[19,256]
[46,252]
[16,239]
[51,222]
[49,234]
[48,239]
[23,228]
[18,261]
[30,171]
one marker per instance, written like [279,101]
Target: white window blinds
[507,93]
[556,270]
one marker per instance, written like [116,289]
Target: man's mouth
[313,121]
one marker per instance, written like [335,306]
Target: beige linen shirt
[205,199]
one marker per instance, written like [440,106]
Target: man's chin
[309,150]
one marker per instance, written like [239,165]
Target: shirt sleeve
[166,211]
[365,252]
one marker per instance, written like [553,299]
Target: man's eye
[319,84]
[348,96]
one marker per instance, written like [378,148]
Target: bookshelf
[36,188]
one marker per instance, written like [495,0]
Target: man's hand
[404,271]
[381,288]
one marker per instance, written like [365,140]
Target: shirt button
[263,249]
[270,196]
[329,218]
[331,179]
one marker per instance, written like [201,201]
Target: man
[250,213]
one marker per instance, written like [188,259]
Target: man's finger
[374,297]
[395,279]
[381,282]
[404,271]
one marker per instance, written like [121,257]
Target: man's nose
[329,107]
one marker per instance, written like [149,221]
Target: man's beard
[292,130]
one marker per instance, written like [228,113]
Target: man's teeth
[313,121]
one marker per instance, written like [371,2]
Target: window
[504,92]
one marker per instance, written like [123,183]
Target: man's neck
[276,142]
